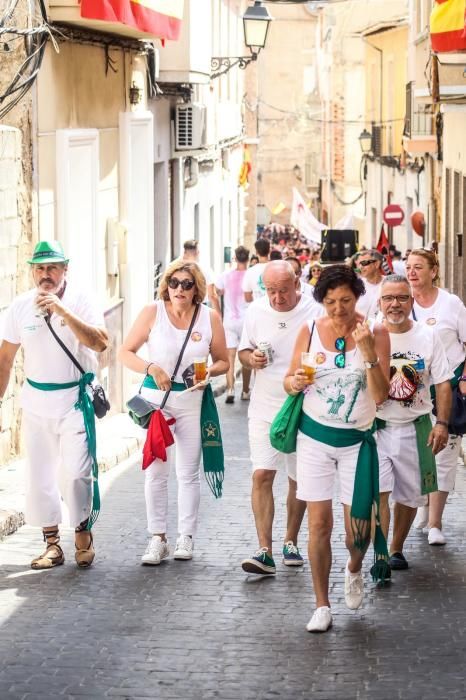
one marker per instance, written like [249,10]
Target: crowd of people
[369,356]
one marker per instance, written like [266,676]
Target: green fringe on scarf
[84,404]
[366,485]
[211,436]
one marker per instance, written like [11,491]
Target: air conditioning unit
[190,126]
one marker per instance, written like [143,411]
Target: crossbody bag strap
[180,357]
[63,346]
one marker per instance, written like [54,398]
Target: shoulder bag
[140,410]
[99,400]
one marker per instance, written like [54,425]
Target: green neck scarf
[366,485]
[84,404]
[211,436]
[427,466]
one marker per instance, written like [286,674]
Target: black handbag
[457,419]
[99,400]
[140,410]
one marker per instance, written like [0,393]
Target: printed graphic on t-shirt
[260,286]
[340,391]
[406,377]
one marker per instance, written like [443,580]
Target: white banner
[304,220]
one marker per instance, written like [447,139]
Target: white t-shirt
[252,280]
[280,328]
[399,267]
[367,303]
[44,360]
[417,360]
[234,304]
[448,316]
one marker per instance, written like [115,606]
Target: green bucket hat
[48,252]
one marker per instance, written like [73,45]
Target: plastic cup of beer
[200,368]
[308,364]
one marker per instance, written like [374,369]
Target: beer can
[266,348]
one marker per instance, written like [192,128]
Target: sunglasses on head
[185,285]
[365,263]
[340,359]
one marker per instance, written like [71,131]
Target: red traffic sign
[393,215]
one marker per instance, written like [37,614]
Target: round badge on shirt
[431,321]
[196,337]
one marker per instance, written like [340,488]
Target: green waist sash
[366,484]
[427,466]
[211,436]
[454,381]
[84,404]
[149,383]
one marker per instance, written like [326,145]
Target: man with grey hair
[406,441]
[369,264]
[271,325]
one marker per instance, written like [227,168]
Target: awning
[158,18]
[447,26]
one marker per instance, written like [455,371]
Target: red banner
[157,18]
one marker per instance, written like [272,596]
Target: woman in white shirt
[163,325]
[445,313]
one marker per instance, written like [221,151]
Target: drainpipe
[380,116]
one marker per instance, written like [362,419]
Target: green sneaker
[259,563]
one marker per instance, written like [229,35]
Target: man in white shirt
[191,254]
[369,263]
[61,463]
[406,440]
[253,286]
[276,320]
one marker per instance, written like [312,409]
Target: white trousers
[58,466]
[447,462]
[186,454]
[399,464]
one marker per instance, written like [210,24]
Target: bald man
[274,319]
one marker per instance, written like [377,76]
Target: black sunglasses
[186,285]
[340,359]
[365,263]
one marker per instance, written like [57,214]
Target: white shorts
[447,462]
[233,331]
[399,464]
[317,468]
[263,455]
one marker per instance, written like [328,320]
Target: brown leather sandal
[53,555]
[85,557]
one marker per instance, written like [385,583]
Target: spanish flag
[447,26]
[158,18]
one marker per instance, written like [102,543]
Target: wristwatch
[370,365]
[463,378]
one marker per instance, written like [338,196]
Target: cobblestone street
[203,629]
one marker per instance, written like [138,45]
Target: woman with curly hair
[341,363]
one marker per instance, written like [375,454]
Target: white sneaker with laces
[354,589]
[436,536]
[156,550]
[321,620]
[184,547]
[245,395]
[422,518]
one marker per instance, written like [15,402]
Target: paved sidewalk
[203,629]
[117,438]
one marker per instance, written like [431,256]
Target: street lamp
[256,22]
[365,141]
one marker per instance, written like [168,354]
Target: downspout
[380,115]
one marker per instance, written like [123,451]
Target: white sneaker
[184,547]
[436,536]
[156,550]
[321,620]
[354,589]
[422,518]
[245,395]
